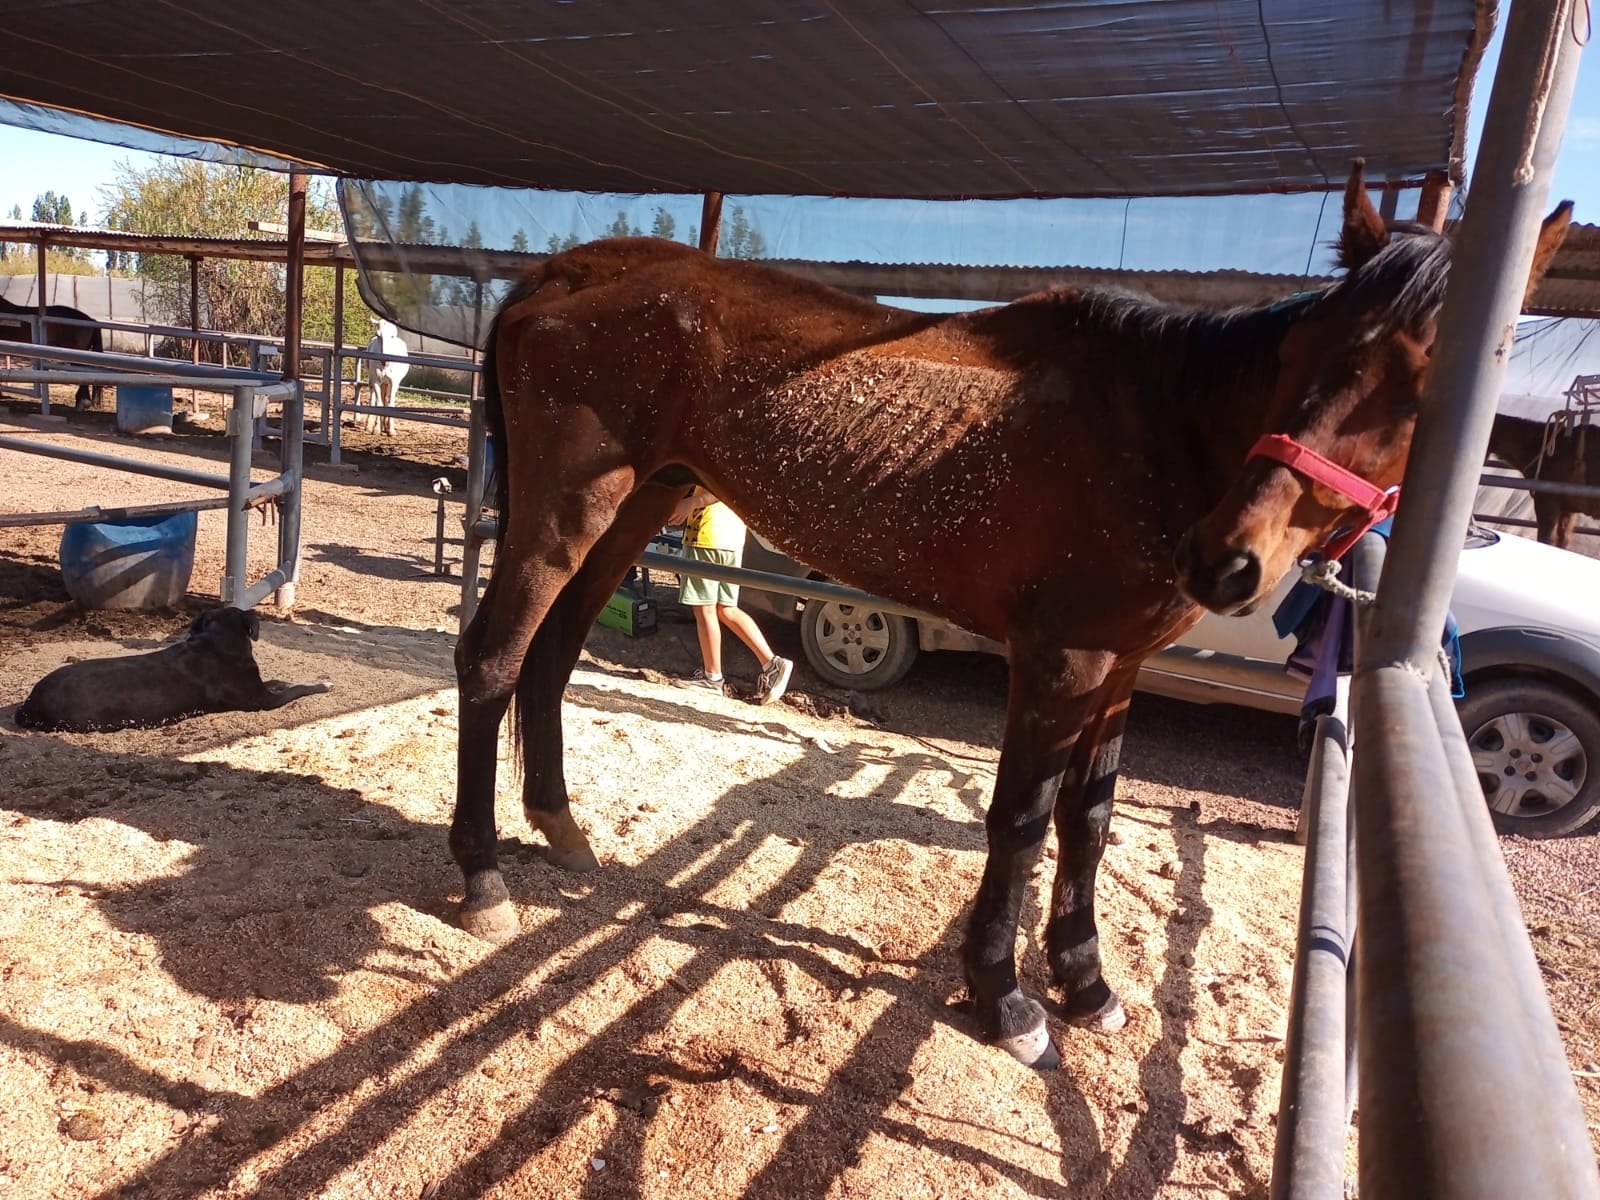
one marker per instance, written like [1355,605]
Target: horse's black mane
[1402,286]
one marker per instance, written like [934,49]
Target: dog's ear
[253,624]
[198,625]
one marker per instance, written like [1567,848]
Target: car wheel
[856,647]
[1536,747]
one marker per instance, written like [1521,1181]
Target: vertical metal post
[241,426]
[291,459]
[1452,1073]
[330,407]
[710,221]
[40,334]
[472,541]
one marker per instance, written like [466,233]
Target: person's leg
[710,634]
[748,632]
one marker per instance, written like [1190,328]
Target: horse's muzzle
[1225,584]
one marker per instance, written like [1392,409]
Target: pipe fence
[249,396]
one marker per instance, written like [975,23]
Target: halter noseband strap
[1376,503]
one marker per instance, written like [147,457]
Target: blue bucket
[144,409]
[144,562]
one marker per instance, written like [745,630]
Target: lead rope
[1566,21]
[1324,573]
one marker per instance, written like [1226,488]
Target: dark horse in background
[66,337]
[1570,455]
[1071,474]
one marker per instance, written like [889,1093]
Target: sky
[1278,234]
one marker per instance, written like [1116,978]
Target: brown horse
[67,337]
[1067,474]
[1574,457]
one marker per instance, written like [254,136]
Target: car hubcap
[1528,764]
[853,638]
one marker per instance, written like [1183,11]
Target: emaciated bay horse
[1573,457]
[1078,474]
[67,337]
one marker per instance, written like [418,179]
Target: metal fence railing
[249,396]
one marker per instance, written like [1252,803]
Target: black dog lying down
[213,670]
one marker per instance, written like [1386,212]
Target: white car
[1529,618]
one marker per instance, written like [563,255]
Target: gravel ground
[230,968]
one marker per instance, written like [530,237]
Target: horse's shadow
[276,903]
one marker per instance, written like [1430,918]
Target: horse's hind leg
[1083,820]
[540,551]
[549,665]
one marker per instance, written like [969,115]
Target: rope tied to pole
[1567,19]
[1324,573]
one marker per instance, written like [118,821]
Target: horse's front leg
[1050,698]
[1083,820]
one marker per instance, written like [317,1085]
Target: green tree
[376,216]
[557,244]
[181,196]
[51,209]
[621,228]
[664,226]
[519,242]
[742,239]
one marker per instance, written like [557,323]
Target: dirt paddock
[229,965]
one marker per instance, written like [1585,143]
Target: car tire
[1514,723]
[855,647]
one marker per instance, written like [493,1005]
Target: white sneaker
[773,680]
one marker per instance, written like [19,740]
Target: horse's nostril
[1238,577]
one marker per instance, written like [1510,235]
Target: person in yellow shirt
[715,534]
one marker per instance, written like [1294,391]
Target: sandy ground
[229,968]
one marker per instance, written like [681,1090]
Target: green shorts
[698,592]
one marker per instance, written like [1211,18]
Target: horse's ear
[1551,234]
[1364,233]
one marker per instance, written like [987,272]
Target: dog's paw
[323,685]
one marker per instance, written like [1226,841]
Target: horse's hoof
[580,859]
[1030,1045]
[569,849]
[1033,1048]
[1108,1018]
[496,924]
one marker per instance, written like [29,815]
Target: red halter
[1376,503]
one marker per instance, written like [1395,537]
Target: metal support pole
[330,406]
[40,334]
[241,426]
[472,540]
[1451,1071]
[291,452]
[1493,253]
[1308,1163]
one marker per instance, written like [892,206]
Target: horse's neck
[1217,387]
[1517,440]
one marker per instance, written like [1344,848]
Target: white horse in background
[384,377]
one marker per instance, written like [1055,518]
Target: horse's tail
[96,340]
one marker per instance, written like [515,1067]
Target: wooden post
[1434,202]
[194,307]
[1388,200]
[294,292]
[710,221]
